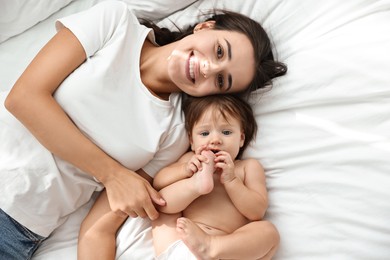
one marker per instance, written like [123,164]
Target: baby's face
[217,133]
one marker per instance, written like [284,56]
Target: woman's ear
[204,25]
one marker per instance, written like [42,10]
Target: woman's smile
[191,62]
[190,68]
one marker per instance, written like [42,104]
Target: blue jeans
[16,241]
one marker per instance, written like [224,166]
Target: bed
[324,128]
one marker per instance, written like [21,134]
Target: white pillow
[16,16]
[156,9]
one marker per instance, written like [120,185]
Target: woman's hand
[129,193]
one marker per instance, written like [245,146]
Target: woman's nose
[207,68]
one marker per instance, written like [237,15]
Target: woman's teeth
[191,67]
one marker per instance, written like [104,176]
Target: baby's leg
[203,180]
[256,240]
[164,232]
[180,194]
[98,230]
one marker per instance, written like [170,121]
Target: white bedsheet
[324,128]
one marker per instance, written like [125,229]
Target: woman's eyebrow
[229,49]
[230,82]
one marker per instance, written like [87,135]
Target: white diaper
[177,251]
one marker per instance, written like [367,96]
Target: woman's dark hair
[226,105]
[266,66]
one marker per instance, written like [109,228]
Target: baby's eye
[226,132]
[204,133]
[220,81]
[220,51]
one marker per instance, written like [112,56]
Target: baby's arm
[172,173]
[249,193]
[185,167]
[179,194]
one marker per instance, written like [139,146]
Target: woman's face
[212,62]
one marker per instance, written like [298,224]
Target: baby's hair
[226,105]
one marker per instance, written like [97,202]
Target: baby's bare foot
[195,238]
[204,179]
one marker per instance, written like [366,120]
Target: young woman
[100,106]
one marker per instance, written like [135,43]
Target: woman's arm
[31,101]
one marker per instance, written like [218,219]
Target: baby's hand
[194,165]
[224,162]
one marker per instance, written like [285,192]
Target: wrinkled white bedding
[324,129]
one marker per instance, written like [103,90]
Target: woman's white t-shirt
[107,101]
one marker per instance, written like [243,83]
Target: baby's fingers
[192,168]
[199,150]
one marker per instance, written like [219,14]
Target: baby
[215,202]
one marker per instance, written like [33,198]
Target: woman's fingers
[134,196]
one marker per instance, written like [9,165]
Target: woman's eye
[219,52]
[226,132]
[220,81]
